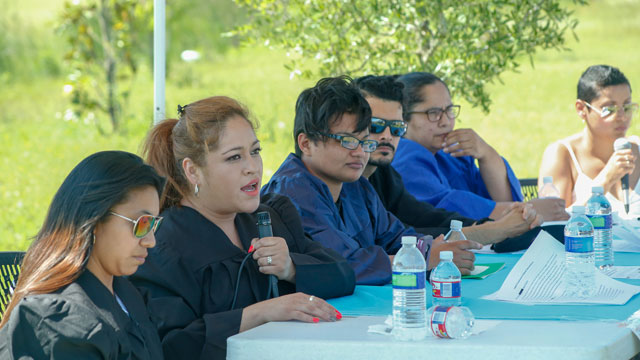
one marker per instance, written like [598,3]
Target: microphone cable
[235,293]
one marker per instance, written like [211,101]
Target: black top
[81,321]
[424,217]
[190,276]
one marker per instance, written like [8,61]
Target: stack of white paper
[626,234]
[537,278]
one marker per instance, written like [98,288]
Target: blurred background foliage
[43,136]
[467,44]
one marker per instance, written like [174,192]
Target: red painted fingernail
[315,320]
[338,315]
[251,248]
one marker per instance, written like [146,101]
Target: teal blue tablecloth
[376,300]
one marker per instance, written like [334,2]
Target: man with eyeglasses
[438,163]
[588,158]
[384,95]
[338,207]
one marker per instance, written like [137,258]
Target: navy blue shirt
[361,230]
[448,182]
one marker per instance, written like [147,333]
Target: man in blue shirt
[339,208]
[384,95]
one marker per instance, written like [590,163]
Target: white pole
[159,60]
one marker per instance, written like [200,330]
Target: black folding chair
[9,269]
[529,187]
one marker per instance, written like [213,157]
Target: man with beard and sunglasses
[384,96]
[338,207]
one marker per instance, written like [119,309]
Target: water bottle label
[408,280]
[578,244]
[438,321]
[445,289]
[600,222]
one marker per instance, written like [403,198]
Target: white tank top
[582,189]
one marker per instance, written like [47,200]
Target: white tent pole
[159,60]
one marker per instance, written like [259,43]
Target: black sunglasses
[397,127]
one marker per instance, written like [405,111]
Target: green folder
[481,271]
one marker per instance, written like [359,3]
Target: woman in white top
[588,159]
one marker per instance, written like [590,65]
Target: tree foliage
[109,40]
[106,39]
[467,43]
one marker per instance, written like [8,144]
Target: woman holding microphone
[588,158]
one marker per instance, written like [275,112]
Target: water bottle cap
[446,255]
[456,224]
[597,190]
[409,240]
[547,180]
[578,209]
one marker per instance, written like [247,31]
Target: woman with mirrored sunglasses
[71,300]
[213,274]
[587,159]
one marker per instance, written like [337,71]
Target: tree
[467,43]
[106,41]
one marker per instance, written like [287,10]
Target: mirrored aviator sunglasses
[396,127]
[143,225]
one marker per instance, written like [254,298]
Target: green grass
[535,107]
[530,109]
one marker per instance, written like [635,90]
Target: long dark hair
[61,250]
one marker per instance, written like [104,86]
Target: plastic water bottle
[599,212]
[548,190]
[580,277]
[455,233]
[409,292]
[445,282]
[451,322]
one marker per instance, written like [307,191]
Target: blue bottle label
[445,289]
[578,244]
[408,280]
[601,222]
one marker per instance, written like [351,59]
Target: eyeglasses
[435,114]
[397,127]
[143,225]
[352,142]
[628,109]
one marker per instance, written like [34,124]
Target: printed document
[537,278]
[623,272]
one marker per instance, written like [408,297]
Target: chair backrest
[9,269]
[529,187]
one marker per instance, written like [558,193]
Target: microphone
[623,144]
[264,230]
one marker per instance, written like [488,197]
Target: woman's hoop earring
[196,191]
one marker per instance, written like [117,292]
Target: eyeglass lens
[629,109]
[435,115]
[397,127]
[352,143]
[144,225]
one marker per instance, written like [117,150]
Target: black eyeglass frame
[343,143]
[437,113]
